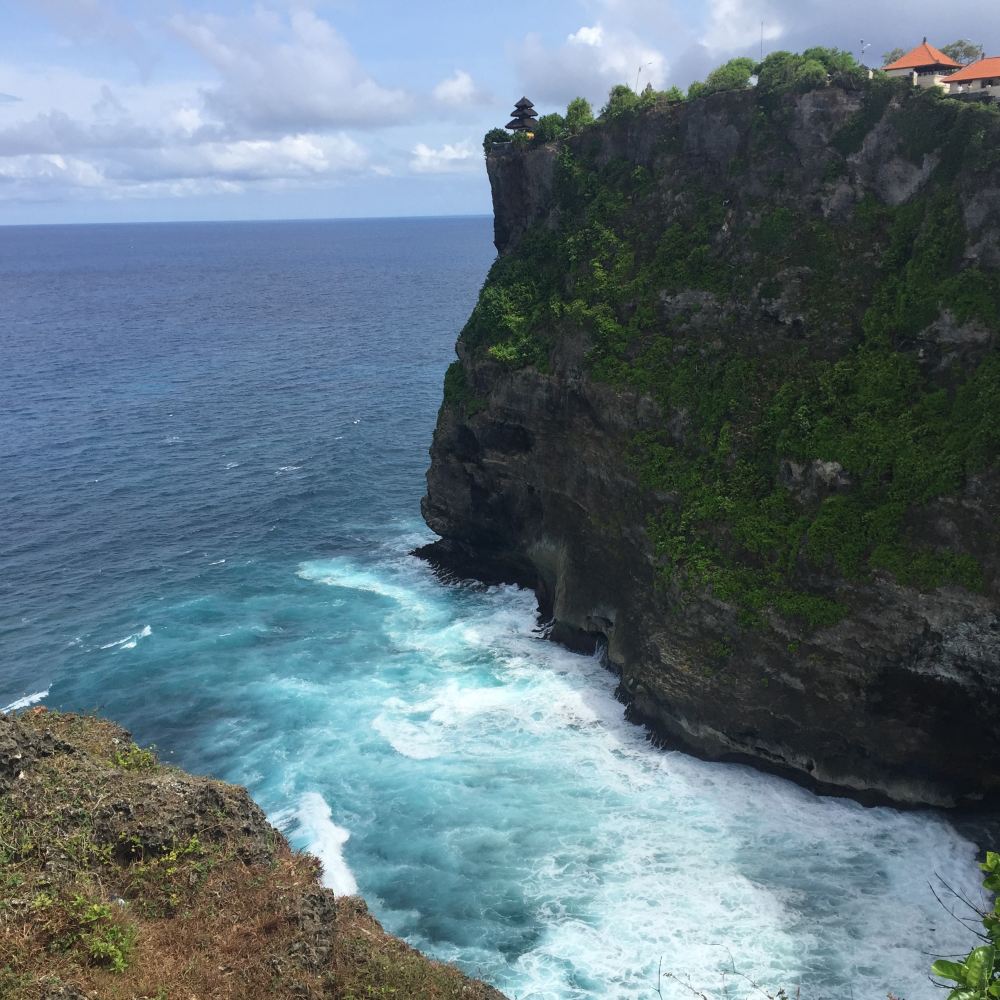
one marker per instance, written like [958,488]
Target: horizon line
[212,222]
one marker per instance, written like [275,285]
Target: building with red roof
[925,65]
[980,77]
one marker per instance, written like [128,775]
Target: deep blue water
[212,446]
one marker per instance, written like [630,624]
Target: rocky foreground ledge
[124,878]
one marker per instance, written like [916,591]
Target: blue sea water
[212,446]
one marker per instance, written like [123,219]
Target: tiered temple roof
[523,117]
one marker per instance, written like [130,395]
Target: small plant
[977,976]
[111,946]
[134,758]
[98,929]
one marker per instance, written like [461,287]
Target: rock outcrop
[662,420]
[123,878]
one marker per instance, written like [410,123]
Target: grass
[125,879]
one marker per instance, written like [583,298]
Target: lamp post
[638,71]
[864,47]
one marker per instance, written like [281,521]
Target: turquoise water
[213,441]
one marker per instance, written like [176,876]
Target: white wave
[522,775]
[342,572]
[173,439]
[409,739]
[314,823]
[26,702]
[232,465]
[288,468]
[130,641]
[218,562]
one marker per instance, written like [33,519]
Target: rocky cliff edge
[123,878]
[729,402]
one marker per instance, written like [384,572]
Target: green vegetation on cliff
[977,976]
[825,376]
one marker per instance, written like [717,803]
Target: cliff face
[123,878]
[729,403]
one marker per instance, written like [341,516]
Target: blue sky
[122,110]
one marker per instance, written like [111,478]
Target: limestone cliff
[123,879]
[729,402]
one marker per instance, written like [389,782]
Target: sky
[171,110]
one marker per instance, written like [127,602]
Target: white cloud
[186,120]
[46,169]
[449,158]
[591,60]
[587,36]
[57,133]
[292,156]
[460,90]
[265,118]
[281,74]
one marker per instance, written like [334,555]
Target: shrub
[550,128]
[978,974]
[782,72]
[134,758]
[733,75]
[835,60]
[494,135]
[621,99]
[578,114]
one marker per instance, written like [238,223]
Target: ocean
[213,439]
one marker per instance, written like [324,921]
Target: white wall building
[981,77]
[925,65]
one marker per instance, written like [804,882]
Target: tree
[835,60]
[494,135]
[550,128]
[782,72]
[733,75]
[810,74]
[622,98]
[578,114]
[963,51]
[674,93]
[892,55]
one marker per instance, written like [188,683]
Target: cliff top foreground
[124,878]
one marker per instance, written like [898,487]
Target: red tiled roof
[984,69]
[923,55]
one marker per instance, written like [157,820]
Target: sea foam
[522,827]
[313,824]
[130,641]
[26,702]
